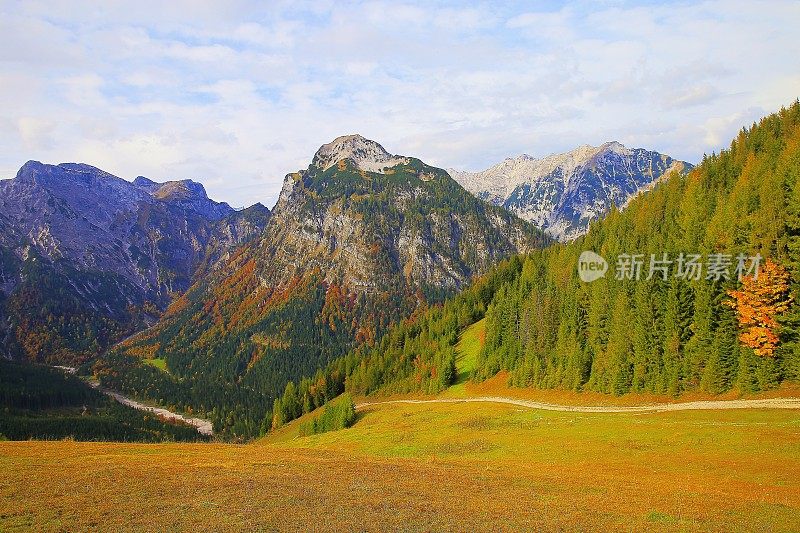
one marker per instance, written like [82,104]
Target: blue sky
[238,94]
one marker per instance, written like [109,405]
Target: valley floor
[422,467]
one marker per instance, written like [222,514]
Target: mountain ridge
[79,238]
[563,192]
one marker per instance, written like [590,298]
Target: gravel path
[769,403]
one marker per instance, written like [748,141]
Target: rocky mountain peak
[178,189]
[146,184]
[77,183]
[562,193]
[64,172]
[182,190]
[30,169]
[186,193]
[334,212]
[615,147]
[258,206]
[365,154]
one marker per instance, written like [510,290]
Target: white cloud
[36,133]
[238,95]
[691,96]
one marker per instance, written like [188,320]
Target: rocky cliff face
[361,216]
[563,193]
[105,249]
[365,154]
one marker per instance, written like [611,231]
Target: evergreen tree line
[38,402]
[339,414]
[108,422]
[25,386]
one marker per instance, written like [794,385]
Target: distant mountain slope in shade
[563,193]
[87,257]
[358,240]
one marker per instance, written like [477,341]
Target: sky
[238,94]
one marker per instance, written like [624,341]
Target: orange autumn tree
[762,298]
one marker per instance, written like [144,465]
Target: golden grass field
[430,467]
[421,468]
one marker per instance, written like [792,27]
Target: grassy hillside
[431,467]
[467,349]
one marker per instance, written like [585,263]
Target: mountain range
[357,241]
[87,257]
[253,299]
[533,323]
[563,193]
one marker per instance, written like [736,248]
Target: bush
[339,414]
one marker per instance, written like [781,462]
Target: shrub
[339,414]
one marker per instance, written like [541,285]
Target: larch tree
[759,303]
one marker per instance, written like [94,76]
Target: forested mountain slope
[667,334]
[87,258]
[358,240]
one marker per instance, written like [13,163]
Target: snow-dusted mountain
[562,193]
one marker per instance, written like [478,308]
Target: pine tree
[699,345]
[620,347]
[678,312]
